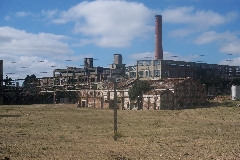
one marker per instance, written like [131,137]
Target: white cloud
[18,15]
[22,65]
[228,42]
[7,18]
[14,41]
[231,47]
[201,18]
[212,36]
[166,56]
[28,50]
[178,57]
[195,20]
[139,56]
[230,62]
[26,65]
[181,32]
[50,13]
[207,37]
[108,23]
[23,14]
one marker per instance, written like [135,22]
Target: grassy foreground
[68,132]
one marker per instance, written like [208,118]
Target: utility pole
[115,109]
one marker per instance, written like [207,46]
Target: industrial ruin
[174,84]
[88,75]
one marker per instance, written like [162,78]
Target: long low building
[176,93]
[168,94]
[161,69]
[217,78]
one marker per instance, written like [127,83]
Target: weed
[118,135]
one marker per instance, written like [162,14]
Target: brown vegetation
[68,132]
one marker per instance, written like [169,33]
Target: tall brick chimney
[158,38]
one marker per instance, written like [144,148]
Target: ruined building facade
[88,74]
[169,94]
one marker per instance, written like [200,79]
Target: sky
[38,36]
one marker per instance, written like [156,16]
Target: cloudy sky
[38,36]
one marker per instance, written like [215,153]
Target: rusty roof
[156,84]
[124,84]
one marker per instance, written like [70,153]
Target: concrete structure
[89,74]
[88,62]
[117,68]
[235,92]
[168,94]
[73,75]
[162,69]
[158,38]
[103,99]
[176,93]
[218,78]
[158,99]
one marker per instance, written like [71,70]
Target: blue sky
[37,36]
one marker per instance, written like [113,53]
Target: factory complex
[173,84]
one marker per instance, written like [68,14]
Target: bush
[138,88]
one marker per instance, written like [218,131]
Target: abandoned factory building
[87,74]
[165,94]
[175,84]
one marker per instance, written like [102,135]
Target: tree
[138,88]
[30,79]
[8,81]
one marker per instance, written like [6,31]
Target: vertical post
[115,110]
[137,71]
[86,105]
[122,100]
[155,102]
[148,102]
[138,105]
[94,94]
[54,97]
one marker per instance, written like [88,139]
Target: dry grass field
[68,132]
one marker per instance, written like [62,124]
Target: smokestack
[158,38]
